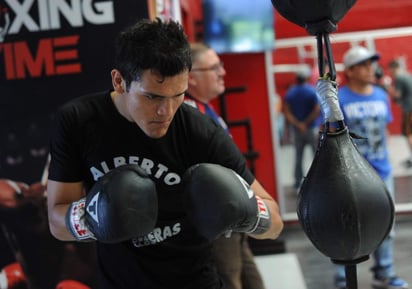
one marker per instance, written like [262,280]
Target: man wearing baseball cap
[366,112]
[357,55]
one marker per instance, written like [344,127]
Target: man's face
[152,101]
[207,75]
[363,72]
[393,71]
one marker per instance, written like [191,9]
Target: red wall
[249,70]
[191,14]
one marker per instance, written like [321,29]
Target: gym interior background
[51,53]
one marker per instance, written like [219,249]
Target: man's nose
[165,107]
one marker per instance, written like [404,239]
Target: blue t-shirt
[368,116]
[301,100]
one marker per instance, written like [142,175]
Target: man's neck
[118,103]
[360,88]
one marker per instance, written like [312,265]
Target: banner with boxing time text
[50,52]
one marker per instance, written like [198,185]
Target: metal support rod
[351,278]
[321,61]
[331,62]
[323,40]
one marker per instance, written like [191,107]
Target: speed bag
[316,16]
[343,205]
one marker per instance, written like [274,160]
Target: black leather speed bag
[343,205]
[316,16]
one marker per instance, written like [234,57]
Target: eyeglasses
[216,67]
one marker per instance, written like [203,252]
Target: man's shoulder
[84,107]
[193,118]
[379,90]
[191,102]
[404,78]
[346,95]
[296,90]
[190,109]
[86,99]
[344,89]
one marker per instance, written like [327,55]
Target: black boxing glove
[219,201]
[121,205]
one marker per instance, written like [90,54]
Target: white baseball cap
[304,71]
[358,54]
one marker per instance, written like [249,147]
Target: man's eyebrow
[162,96]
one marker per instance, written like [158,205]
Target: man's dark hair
[300,79]
[158,45]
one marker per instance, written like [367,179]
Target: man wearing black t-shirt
[130,169]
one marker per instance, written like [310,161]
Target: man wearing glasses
[205,81]
[232,255]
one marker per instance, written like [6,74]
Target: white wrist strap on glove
[263,221]
[76,221]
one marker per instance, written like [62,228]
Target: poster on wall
[50,52]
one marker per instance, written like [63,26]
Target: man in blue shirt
[302,111]
[367,112]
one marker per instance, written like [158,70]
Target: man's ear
[191,79]
[119,85]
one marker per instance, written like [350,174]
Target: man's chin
[155,134]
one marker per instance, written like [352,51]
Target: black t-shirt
[90,137]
